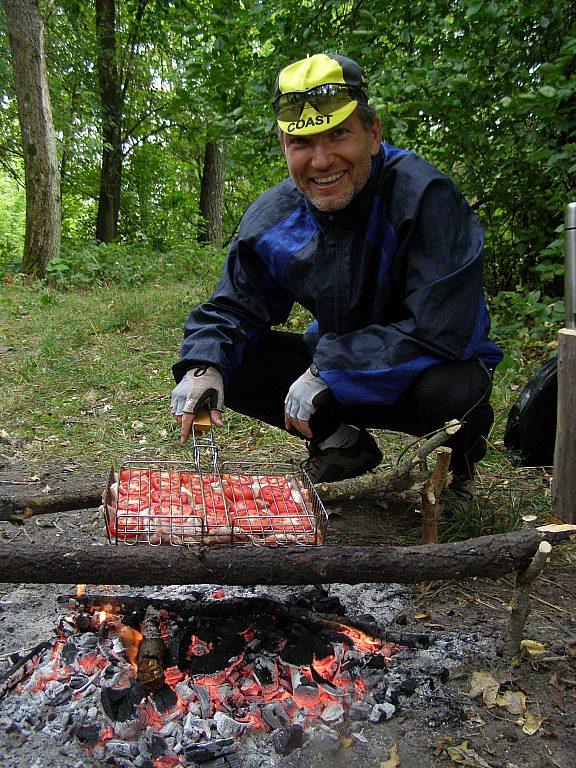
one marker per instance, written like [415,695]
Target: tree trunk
[211,194]
[111,101]
[26,35]
[55,561]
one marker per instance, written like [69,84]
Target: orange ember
[167,761]
[131,639]
[173,675]
[80,589]
[198,647]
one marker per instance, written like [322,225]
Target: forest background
[163,134]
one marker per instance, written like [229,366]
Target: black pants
[450,390]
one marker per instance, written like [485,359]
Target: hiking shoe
[459,497]
[334,464]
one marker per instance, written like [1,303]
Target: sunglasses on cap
[325,99]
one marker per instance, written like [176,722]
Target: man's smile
[325,180]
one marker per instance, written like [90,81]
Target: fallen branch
[16,509]
[408,475]
[520,607]
[52,561]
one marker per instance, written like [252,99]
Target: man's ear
[375,136]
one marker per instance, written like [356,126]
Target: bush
[96,264]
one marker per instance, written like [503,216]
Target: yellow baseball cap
[317,93]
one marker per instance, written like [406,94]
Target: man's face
[331,167]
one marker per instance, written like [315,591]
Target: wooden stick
[431,504]
[520,607]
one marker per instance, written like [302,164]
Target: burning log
[152,652]
[20,666]
[247,607]
[51,561]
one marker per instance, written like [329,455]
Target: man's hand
[300,401]
[200,387]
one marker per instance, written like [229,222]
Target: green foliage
[12,202]
[484,90]
[522,317]
[95,264]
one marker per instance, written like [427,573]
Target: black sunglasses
[325,99]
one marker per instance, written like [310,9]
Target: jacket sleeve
[246,302]
[442,314]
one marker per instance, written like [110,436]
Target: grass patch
[86,377]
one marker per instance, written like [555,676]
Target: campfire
[175,682]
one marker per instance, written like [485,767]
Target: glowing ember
[214,672]
[198,647]
[173,675]
[80,590]
[131,639]
[167,762]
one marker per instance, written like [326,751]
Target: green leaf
[548,91]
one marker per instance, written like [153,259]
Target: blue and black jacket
[394,281]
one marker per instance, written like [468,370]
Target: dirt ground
[466,620]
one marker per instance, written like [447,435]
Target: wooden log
[19,508]
[55,562]
[564,478]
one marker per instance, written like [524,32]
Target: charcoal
[408,686]
[275,715]
[69,652]
[359,710]
[119,748]
[195,727]
[78,680]
[57,693]
[265,671]
[88,733]
[285,740]
[209,750]
[381,712]
[87,641]
[164,698]
[143,762]
[184,692]
[156,744]
[227,726]
[333,712]
[203,695]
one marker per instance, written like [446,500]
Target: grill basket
[208,501]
